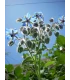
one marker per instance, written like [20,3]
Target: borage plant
[36,36]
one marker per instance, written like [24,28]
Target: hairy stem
[39,66]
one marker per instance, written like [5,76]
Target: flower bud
[32,29]
[47,29]
[50,33]
[35,29]
[43,36]
[10,43]
[56,34]
[24,31]
[48,25]
[22,41]
[19,20]
[41,23]
[51,20]
[61,26]
[35,35]
[57,27]
[20,49]
[21,28]
[43,28]
[47,40]
[29,30]
[29,43]
[35,24]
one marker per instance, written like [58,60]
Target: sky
[13,12]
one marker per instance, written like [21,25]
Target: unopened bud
[51,20]
[10,43]
[19,20]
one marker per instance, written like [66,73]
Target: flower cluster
[34,28]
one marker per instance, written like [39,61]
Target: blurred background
[18,8]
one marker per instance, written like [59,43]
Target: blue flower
[28,20]
[61,20]
[39,15]
[11,34]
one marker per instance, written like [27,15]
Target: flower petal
[24,24]
[33,19]
[28,15]
[11,30]
[15,31]
[8,37]
[61,18]
[6,31]
[29,25]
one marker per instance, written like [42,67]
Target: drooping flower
[39,15]
[61,20]
[11,33]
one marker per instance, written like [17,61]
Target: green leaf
[25,55]
[56,53]
[47,40]
[60,40]
[49,63]
[18,71]
[62,78]
[9,67]
[39,51]
[45,55]
[12,76]
[21,77]
[27,76]
[28,59]
[61,59]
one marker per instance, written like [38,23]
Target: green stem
[35,59]
[39,66]
[31,55]
[35,63]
